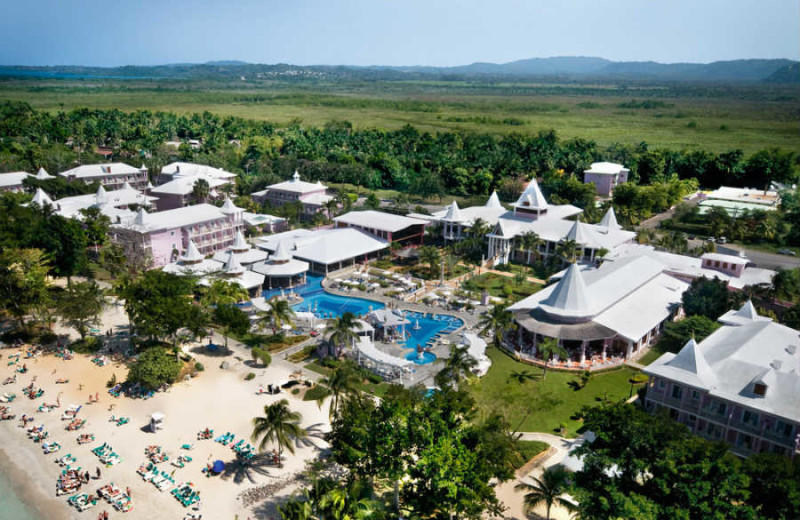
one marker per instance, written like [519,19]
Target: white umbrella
[338,280]
[286,326]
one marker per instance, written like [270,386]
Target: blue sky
[392,32]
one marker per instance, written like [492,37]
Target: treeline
[406,159]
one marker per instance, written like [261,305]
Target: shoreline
[26,479]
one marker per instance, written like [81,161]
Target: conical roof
[281,253]
[532,197]
[453,213]
[748,311]
[296,176]
[229,207]
[127,186]
[240,245]
[582,234]
[570,296]
[43,175]
[140,218]
[42,199]
[101,195]
[143,167]
[609,220]
[192,255]
[232,267]
[691,359]
[494,201]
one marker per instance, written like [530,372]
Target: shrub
[261,356]
[295,391]
[199,367]
[316,393]
[249,377]
[155,366]
[89,345]
[111,382]
[302,354]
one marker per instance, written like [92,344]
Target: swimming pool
[422,330]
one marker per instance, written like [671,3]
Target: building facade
[605,176]
[312,196]
[111,176]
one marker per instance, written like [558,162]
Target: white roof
[248,257]
[569,297]
[293,267]
[316,199]
[605,168]
[247,279]
[379,220]
[367,349]
[192,254]
[41,199]
[232,265]
[42,175]
[749,195]
[746,314]
[532,197]
[259,219]
[125,196]
[553,228]
[388,317]
[609,220]
[175,218]
[185,185]
[229,207]
[476,347]
[297,186]
[494,201]
[326,246]
[203,267]
[736,260]
[489,213]
[184,169]
[737,357]
[12,178]
[453,213]
[99,170]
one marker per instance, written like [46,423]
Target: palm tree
[567,249]
[341,382]
[548,348]
[332,207]
[547,490]
[479,228]
[279,425]
[200,190]
[498,320]
[529,242]
[459,364]
[222,292]
[431,256]
[280,313]
[520,278]
[342,331]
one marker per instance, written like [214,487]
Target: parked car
[786,252]
[711,239]
[722,240]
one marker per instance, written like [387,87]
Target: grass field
[543,405]
[715,123]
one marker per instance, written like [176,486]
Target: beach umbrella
[218,466]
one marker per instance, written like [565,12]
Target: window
[721,408]
[695,395]
[716,263]
[750,417]
[760,389]
[724,265]
[677,392]
[783,428]
[660,384]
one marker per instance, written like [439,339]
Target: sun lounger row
[186,494]
[82,501]
[225,439]
[160,479]
[114,495]
[106,455]
[66,460]
[50,447]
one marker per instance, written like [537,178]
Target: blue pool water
[326,305]
[422,358]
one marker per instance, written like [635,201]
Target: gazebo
[281,269]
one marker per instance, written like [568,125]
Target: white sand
[218,399]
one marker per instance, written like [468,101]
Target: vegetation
[677,333]
[232,320]
[154,367]
[526,450]
[342,332]
[709,298]
[261,356]
[497,321]
[280,313]
[279,426]
[80,306]
[23,282]
[547,490]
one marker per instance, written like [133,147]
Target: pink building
[605,176]
[163,235]
[111,175]
[313,196]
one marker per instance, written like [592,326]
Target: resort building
[738,200]
[245,253]
[281,269]
[605,176]
[456,222]
[264,224]
[740,385]
[192,263]
[312,196]
[12,181]
[233,272]
[394,228]
[111,175]
[181,177]
[109,202]
[532,215]
[327,250]
[601,316]
[164,234]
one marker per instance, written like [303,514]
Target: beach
[219,399]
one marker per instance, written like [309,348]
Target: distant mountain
[787,74]
[564,67]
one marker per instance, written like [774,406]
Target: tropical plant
[567,250]
[498,321]
[280,313]
[430,255]
[457,366]
[529,242]
[155,366]
[548,348]
[23,281]
[80,306]
[342,382]
[200,191]
[342,331]
[222,292]
[547,490]
[279,426]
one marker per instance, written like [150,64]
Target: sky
[392,32]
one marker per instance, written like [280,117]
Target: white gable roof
[296,185]
[453,213]
[12,178]
[41,199]
[175,218]
[605,168]
[494,201]
[532,197]
[99,170]
[42,175]
[379,220]
[184,169]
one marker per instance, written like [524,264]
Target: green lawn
[378,389]
[494,283]
[650,356]
[526,450]
[541,406]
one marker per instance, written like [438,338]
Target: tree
[567,250]
[342,383]
[261,355]
[279,425]
[113,259]
[774,485]
[547,490]
[96,225]
[200,191]
[771,165]
[155,367]
[709,298]
[80,306]
[222,292]
[457,366]
[430,255]
[280,313]
[677,333]
[232,320]
[548,348]
[498,321]
[342,331]
[159,304]
[529,242]
[372,201]
[23,281]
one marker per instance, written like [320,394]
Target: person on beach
[98,473]
[128,491]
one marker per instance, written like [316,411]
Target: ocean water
[11,507]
